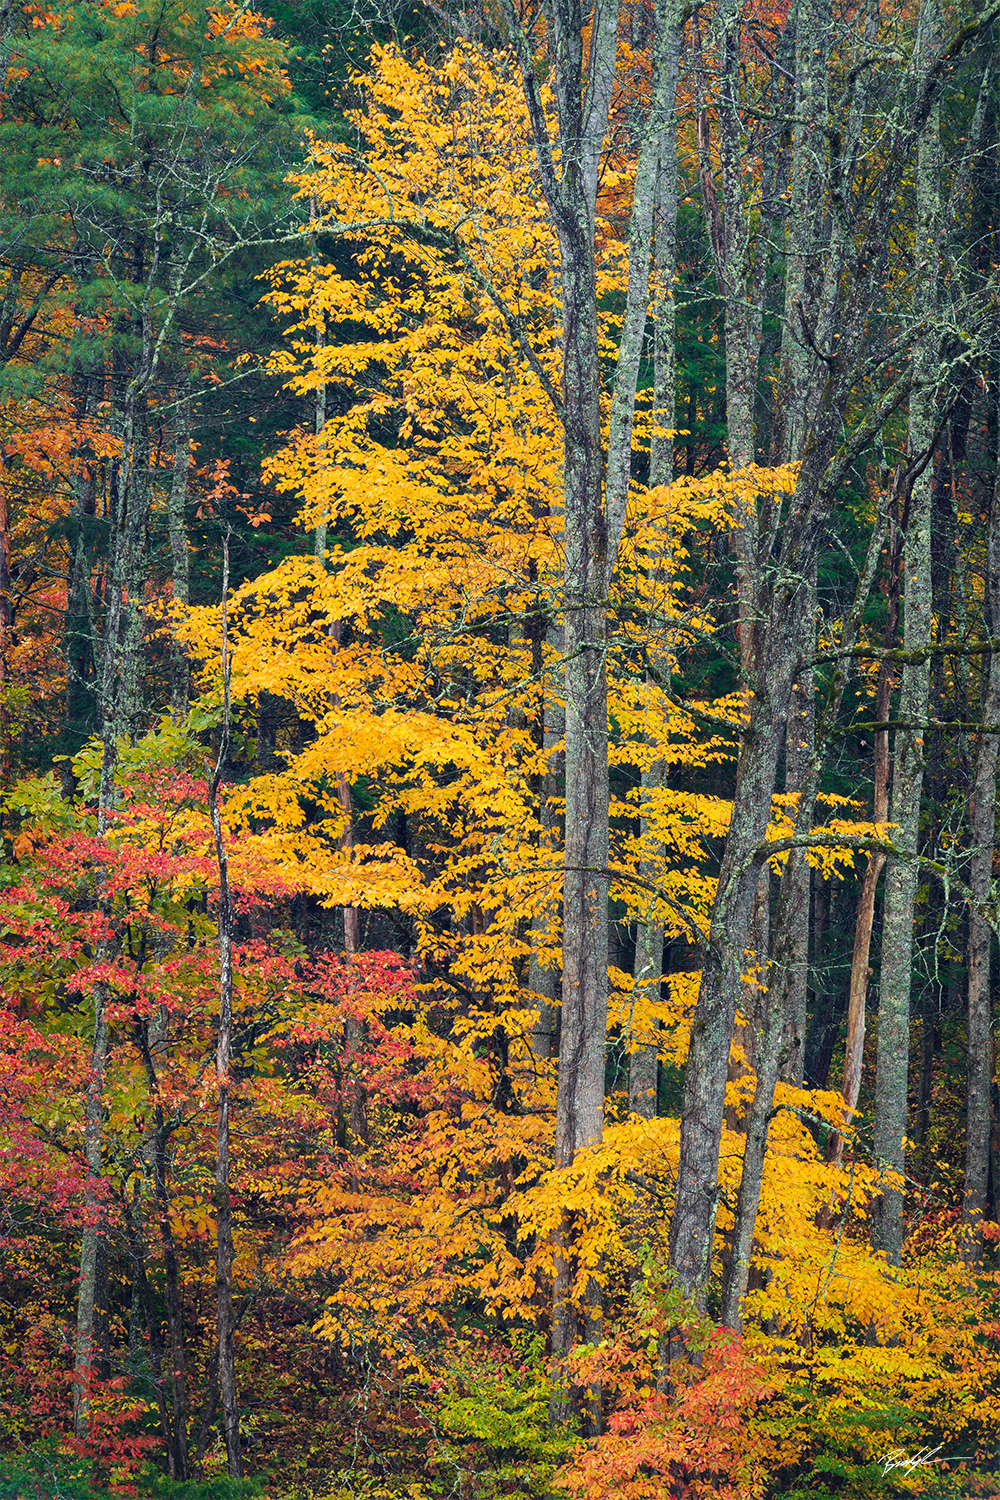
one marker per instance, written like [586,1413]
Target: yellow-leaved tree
[414,661]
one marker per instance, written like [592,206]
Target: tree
[848,301]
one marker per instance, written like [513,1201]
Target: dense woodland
[499,724]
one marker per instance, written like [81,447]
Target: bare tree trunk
[892,1060]
[644,1062]
[737,258]
[180,666]
[773,1041]
[544,981]
[582,89]
[119,685]
[799,747]
[319,418]
[804,227]
[643,1073]
[95,1227]
[137,1250]
[223,1198]
[6,625]
[980,1026]
[860,972]
[171,1276]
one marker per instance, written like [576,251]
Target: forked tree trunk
[773,1035]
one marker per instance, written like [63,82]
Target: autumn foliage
[385,704]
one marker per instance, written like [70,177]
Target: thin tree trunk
[137,1250]
[319,420]
[902,877]
[804,227]
[95,1226]
[860,971]
[171,1275]
[644,1061]
[643,1073]
[223,1198]
[799,747]
[180,666]
[544,981]
[582,88]
[980,1019]
[773,1039]
[118,681]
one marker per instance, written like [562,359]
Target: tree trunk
[223,1198]
[544,981]
[119,683]
[180,666]
[773,1041]
[793,938]
[644,1062]
[643,1072]
[582,87]
[137,1250]
[171,1275]
[902,878]
[980,1023]
[95,1226]
[860,972]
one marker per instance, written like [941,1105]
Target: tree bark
[223,1198]
[773,1041]
[902,878]
[855,1044]
[171,1275]
[543,981]
[180,666]
[137,1250]
[582,89]
[643,1072]
[792,931]
[980,1019]
[644,1061]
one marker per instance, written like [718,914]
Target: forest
[499,728]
